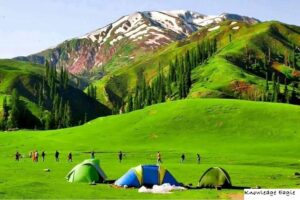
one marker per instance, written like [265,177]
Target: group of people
[159,160]
[34,155]
[183,158]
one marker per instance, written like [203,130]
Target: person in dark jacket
[70,157]
[182,158]
[93,154]
[18,155]
[198,158]
[120,156]
[43,156]
[56,156]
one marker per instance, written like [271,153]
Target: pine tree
[5,113]
[5,109]
[274,88]
[129,103]
[169,86]
[55,110]
[267,82]
[61,77]
[60,112]
[68,115]
[47,120]
[294,57]
[215,45]
[286,92]
[47,71]
[85,118]
[14,114]
[66,79]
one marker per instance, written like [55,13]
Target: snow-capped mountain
[156,28]
[122,41]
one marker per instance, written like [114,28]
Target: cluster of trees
[92,91]
[273,92]
[273,80]
[11,111]
[178,81]
[49,96]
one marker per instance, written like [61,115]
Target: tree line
[11,111]
[278,87]
[178,81]
[49,94]
[92,91]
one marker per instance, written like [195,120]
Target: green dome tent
[88,171]
[215,177]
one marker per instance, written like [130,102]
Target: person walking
[182,158]
[18,155]
[198,158]
[56,156]
[33,156]
[70,157]
[120,156]
[43,156]
[36,156]
[93,154]
[159,160]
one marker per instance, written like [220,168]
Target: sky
[29,26]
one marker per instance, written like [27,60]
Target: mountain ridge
[109,47]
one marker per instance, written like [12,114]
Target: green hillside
[26,79]
[257,143]
[246,53]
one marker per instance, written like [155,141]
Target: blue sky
[29,26]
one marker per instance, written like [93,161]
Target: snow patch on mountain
[179,23]
[214,28]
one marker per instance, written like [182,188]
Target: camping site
[150,99]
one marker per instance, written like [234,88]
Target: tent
[88,171]
[146,175]
[215,177]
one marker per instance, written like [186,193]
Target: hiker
[33,156]
[93,154]
[120,156]
[36,156]
[57,156]
[18,155]
[43,156]
[159,161]
[198,158]
[182,158]
[70,157]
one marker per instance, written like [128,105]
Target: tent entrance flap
[150,175]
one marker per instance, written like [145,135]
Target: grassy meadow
[256,142]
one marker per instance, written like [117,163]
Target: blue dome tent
[146,175]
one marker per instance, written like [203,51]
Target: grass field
[257,143]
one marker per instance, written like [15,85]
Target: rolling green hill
[245,54]
[26,78]
[257,143]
